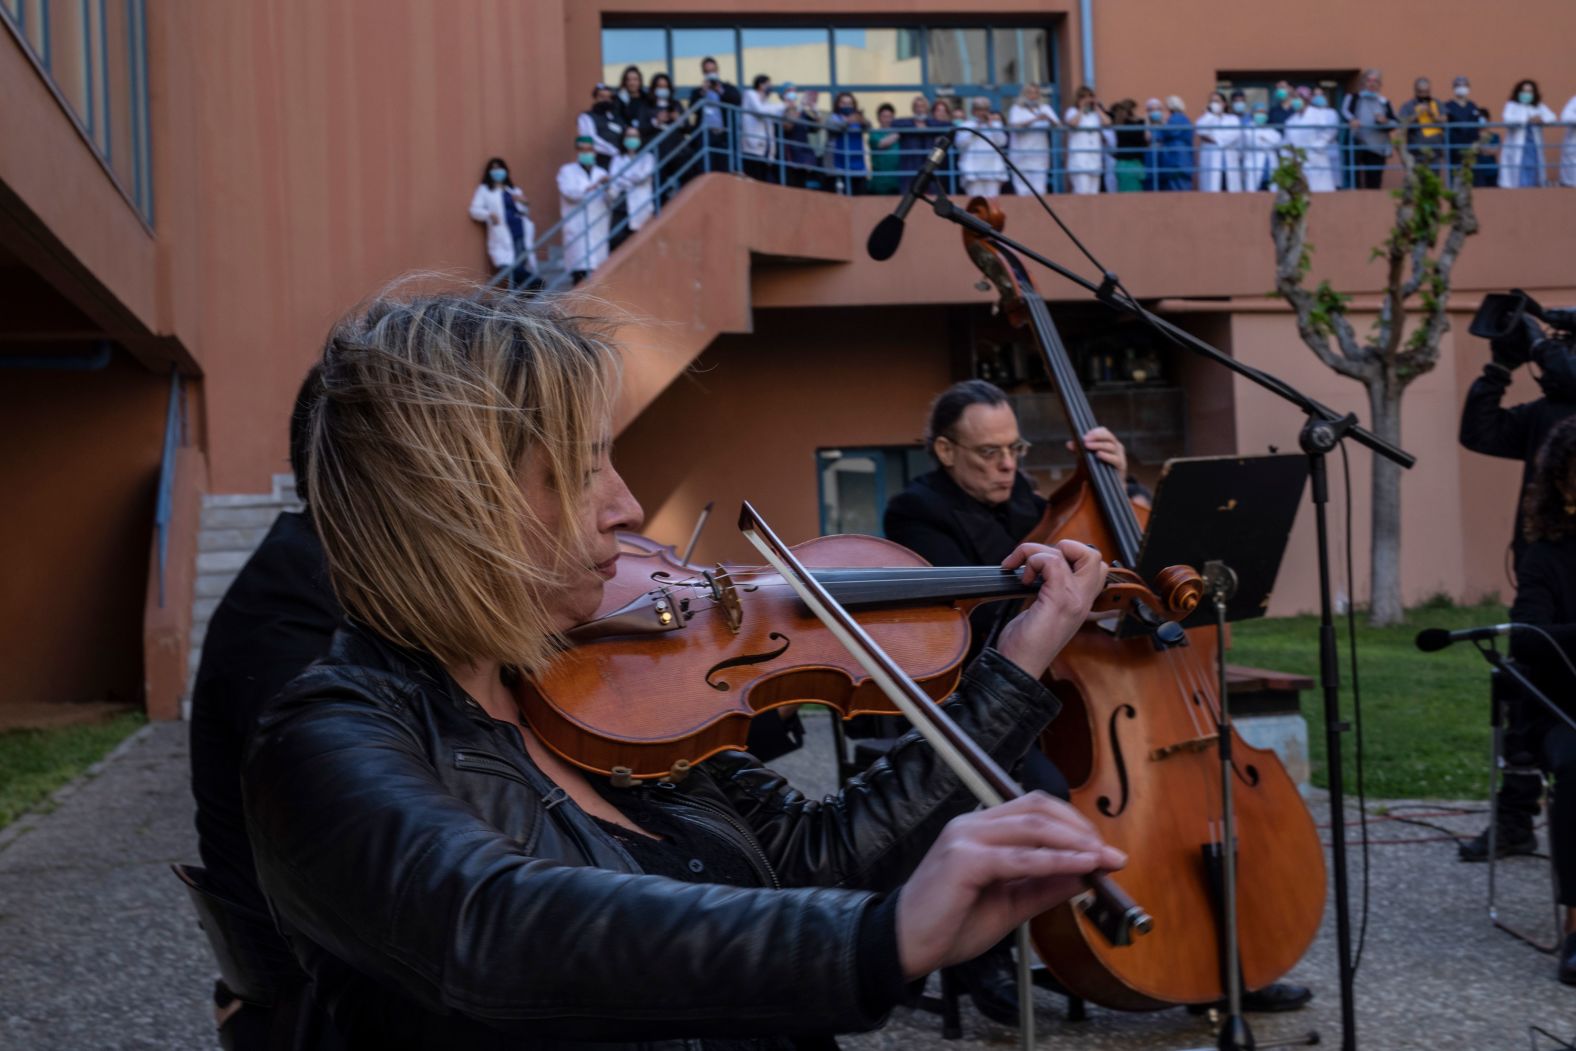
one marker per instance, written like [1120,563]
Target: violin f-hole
[1104,802]
[746,659]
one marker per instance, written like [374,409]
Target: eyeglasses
[993,453]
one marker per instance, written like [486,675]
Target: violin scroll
[1176,592]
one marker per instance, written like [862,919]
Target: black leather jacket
[442,892]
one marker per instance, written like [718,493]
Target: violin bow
[1108,907]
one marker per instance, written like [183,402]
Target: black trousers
[1370,169]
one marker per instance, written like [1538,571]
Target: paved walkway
[99,947]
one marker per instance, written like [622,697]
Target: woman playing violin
[447,880]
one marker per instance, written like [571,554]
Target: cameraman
[1517,433]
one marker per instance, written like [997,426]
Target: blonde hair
[430,406]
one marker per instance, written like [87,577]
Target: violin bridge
[727,596]
[1196,744]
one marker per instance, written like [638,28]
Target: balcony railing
[831,155]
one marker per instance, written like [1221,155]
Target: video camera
[1506,321]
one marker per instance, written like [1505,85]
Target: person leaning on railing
[1423,116]
[1464,130]
[1371,118]
[632,103]
[1315,129]
[583,205]
[804,141]
[1031,119]
[1219,151]
[980,167]
[1131,156]
[914,139]
[705,113]
[511,236]
[1085,144]
[884,160]
[847,124]
[601,125]
[942,117]
[1521,160]
[758,129]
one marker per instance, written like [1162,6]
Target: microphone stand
[1322,433]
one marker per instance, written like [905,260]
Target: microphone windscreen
[1431,639]
[884,238]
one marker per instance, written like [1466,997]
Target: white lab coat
[980,168]
[1314,130]
[1261,144]
[758,133]
[1031,144]
[1521,136]
[635,178]
[486,203]
[1220,156]
[1568,151]
[584,232]
[1085,150]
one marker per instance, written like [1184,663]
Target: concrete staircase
[232,526]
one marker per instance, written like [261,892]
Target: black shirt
[1546,597]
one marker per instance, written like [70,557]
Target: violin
[1137,740]
[710,649]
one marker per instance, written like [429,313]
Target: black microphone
[888,233]
[1431,639]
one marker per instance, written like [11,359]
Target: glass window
[644,48]
[957,56]
[878,56]
[1021,55]
[31,19]
[68,53]
[797,55]
[692,45]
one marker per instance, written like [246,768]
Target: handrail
[845,166]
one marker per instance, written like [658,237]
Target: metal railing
[834,155]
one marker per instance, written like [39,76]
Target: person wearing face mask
[1568,151]
[1423,116]
[1085,144]
[1465,119]
[1314,130]
[634,182]
[666,110]
[601,124]
[584,207]
[1280,110]
[511,236]
[847,125]
[1220,147]
[980,168]
[804,141]
[1521,160]
[1371,118]
[758,129]
[1261,144]
[717,121]
[1031,119]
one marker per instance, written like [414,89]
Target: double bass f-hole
[1122,711]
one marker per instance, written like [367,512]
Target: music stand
[1236,509]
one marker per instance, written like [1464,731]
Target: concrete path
[99,947]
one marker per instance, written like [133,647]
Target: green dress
[884,161]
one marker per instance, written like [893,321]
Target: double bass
[1137,741]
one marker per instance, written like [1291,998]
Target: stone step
[216,539]
[255,516]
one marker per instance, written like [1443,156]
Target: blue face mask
[1319,102]
[1155,115]
[1239,106]
[632,143]
[1296,104]
[1367,94]
[1261,117]
[587,157]
[662,93]
[1524,97]
[497,174]
[1280,94]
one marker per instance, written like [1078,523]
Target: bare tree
[1386,360]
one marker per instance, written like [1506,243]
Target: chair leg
[951,1020]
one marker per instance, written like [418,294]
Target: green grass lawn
[1425,715]
[33,763]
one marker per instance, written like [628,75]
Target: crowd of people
[781,133]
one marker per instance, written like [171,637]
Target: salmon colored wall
[747,420]
[80,493]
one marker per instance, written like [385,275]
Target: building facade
[190,194]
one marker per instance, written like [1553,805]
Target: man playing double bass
[973,509]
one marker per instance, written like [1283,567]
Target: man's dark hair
[886,107]
[307,397]
[707,59]
[760,78]
[1543,506]
[951,403]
